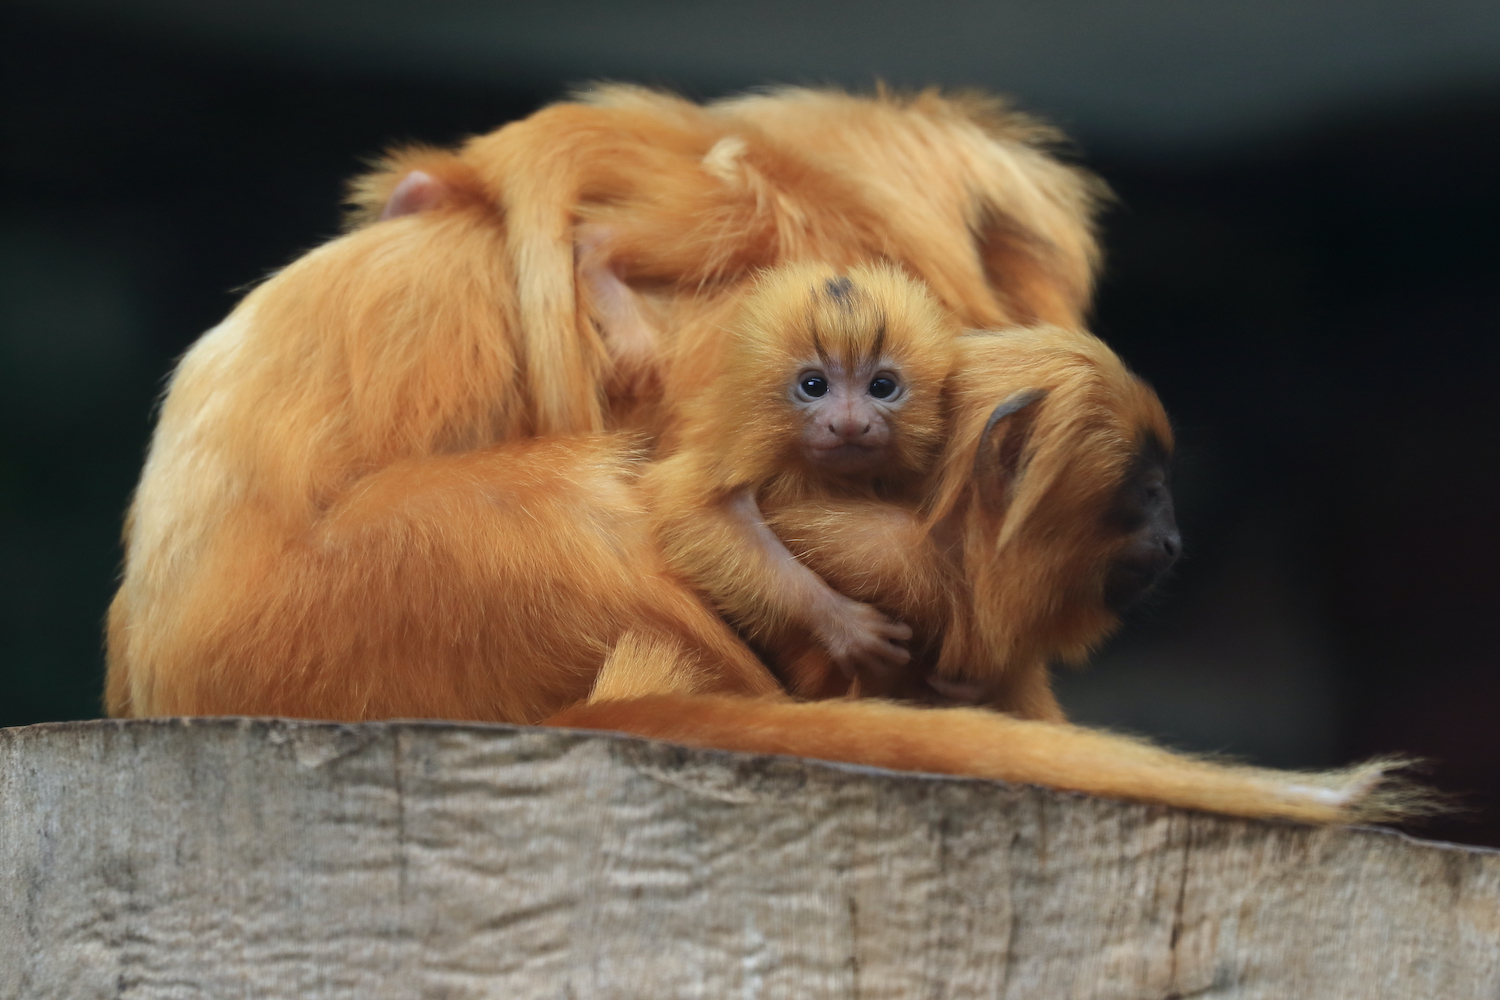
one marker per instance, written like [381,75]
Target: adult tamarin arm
[983,744]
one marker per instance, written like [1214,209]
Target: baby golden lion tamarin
[828,384]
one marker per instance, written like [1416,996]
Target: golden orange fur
[683,202]
[741,451]
[997,574]
[491,584]
[401,351]
[380,487]
[737,426]
[985,744]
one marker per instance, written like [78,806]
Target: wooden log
[270,858]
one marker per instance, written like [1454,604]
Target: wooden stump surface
[269,858]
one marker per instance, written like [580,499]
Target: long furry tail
[537,169]
[983,744]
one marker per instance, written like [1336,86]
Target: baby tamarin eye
[813,384]
[883,387]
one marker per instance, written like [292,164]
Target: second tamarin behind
[829,384]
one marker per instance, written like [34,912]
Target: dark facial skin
[1143,511]
[848,413]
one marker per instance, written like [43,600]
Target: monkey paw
[858,637]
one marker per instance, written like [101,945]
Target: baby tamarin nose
[850,427]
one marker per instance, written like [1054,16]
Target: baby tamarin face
[848,410]
[836,374]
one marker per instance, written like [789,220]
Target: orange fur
[378,488]
[740,451]
[490,584]
[395,360]
[978,743]
[685,201]
[996,579]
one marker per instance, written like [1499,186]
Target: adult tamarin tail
[542,171]
[535,174]
[983,744]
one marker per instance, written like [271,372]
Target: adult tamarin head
[1057,475]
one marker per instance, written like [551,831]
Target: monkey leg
[489,585]
[983,744]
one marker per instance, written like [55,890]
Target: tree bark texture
[286,859]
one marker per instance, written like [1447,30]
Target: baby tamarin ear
[829,384]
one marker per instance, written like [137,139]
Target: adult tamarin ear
[417,192]
[412,180]
[999,462]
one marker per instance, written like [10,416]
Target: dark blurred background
[1304,261]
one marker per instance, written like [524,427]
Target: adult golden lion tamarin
[379,488]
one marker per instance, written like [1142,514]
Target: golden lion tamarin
[829,384]
[378,488]
[1021,402]
[1049,512]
